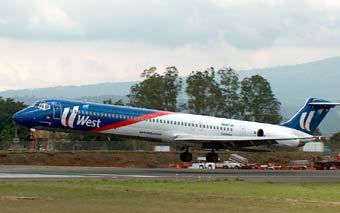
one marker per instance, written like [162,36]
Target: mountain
[295,83]
[291,84]
[101,89]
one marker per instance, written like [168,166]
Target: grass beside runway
[167,196]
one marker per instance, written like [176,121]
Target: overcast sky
[73,42]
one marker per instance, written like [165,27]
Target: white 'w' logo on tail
[305,123]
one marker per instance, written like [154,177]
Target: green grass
[167,196]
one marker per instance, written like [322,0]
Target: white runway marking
[133,176]
[13,176]
[30,176]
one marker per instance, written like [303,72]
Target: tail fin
[308,118]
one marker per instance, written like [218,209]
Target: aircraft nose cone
[18,118]
[23,118]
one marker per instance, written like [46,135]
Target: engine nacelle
[260,133]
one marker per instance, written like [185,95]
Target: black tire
[186,157]
[236,167]
[212,157]
[225,167]
[208,157]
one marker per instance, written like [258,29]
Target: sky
[74,42]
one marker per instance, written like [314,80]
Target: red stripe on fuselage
[132,121]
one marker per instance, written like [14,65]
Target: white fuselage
[165,128]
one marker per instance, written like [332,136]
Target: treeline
[216,93]
[8,129]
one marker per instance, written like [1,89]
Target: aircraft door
[56,111]
[243,131]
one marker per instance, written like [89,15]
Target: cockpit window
[37,103]
[42,105]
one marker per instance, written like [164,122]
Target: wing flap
[204,138]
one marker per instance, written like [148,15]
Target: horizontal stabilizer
[324,104]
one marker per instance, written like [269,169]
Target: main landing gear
[186,156]
[212,157]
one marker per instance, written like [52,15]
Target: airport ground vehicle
[231,165]
[298,165]
[331,164]
[327,165]
[203,165]
[235,161]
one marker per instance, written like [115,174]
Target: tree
[7,128]
[119,102]
[156,91]
[258,102]
[148,92]
[230,85]
[334,141]
[172,85]
[204,93]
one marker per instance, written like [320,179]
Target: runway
[9,172]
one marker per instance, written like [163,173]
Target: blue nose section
[18,118]
[24,117]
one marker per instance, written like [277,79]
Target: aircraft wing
[205,139]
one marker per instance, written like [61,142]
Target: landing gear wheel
[186,157]
[212,157]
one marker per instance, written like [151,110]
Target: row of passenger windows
[153,120]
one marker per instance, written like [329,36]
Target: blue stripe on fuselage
[88,122]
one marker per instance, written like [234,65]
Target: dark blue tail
[308,118]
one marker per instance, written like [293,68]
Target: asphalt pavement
[9,172]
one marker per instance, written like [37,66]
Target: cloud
[244,24]
[31,64]
[48,43]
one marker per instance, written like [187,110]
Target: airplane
[176,128]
